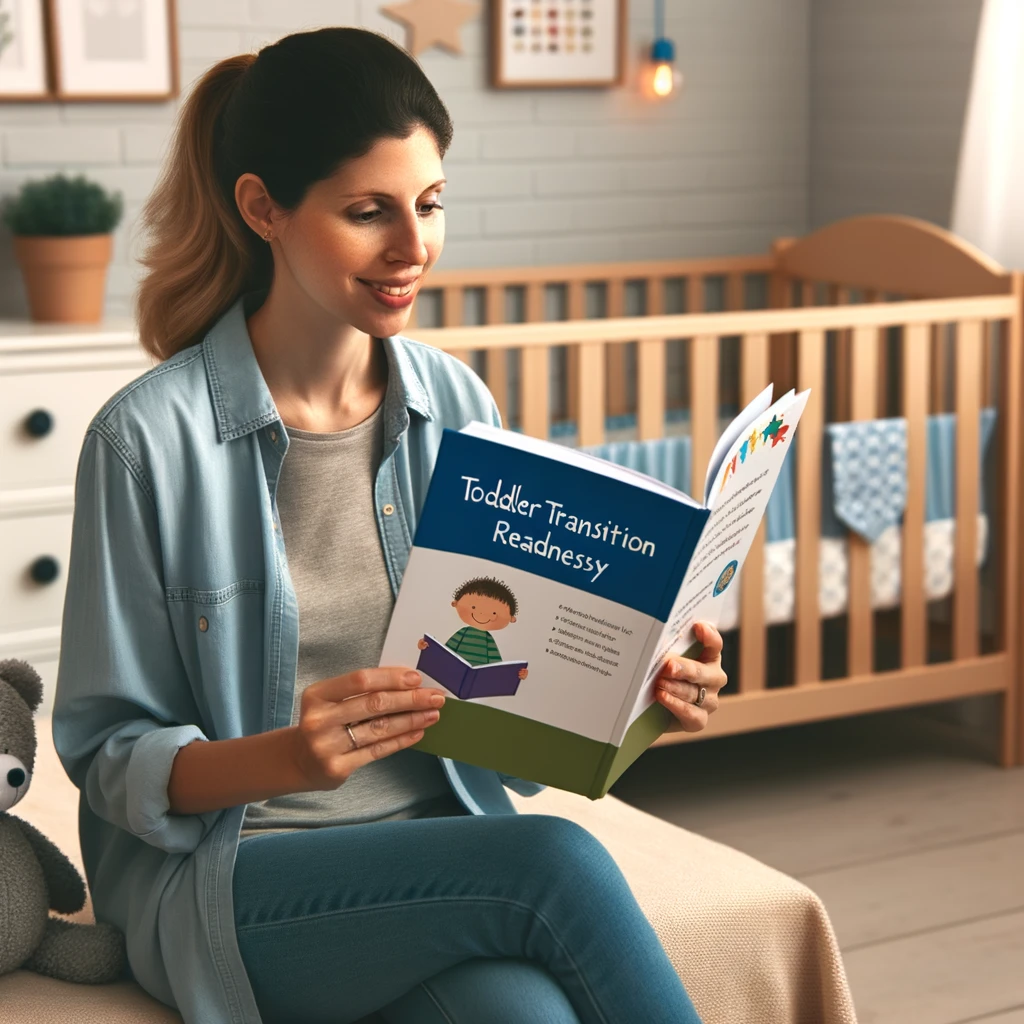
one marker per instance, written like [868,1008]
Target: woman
[300,863]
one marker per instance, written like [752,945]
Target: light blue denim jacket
[181,624]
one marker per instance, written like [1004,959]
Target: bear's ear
[25,680]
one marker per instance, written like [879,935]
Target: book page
[574,457]
[740,425]
[738,501]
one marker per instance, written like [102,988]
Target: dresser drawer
[42,543]
[69,399]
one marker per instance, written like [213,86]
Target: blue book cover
[545,588]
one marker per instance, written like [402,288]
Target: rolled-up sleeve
[123,705]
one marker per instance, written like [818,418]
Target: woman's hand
[678,685]
[386,708]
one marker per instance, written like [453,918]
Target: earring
[266,235]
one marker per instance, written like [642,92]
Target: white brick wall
[534,176]
[889,88]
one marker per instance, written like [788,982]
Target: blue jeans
[503,919]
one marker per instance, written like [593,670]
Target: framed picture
[551,43]
[23,72]
[114,49]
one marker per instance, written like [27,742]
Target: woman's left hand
[681,679]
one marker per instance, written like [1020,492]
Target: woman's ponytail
[199,252]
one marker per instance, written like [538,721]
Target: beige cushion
[750,943]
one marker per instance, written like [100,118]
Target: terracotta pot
[65,276]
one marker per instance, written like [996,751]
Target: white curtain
[988,204]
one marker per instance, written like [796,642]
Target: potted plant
[63,242]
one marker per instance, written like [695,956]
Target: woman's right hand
[387,709]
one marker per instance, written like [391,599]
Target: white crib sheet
[833,591]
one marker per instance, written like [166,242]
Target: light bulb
[664,80]
[661,78]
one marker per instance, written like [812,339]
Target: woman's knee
[499,991]
[568,852]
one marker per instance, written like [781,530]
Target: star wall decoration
[433,22]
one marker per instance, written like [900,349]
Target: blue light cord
[659,19]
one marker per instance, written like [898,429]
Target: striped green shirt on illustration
[477,646]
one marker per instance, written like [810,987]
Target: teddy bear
[34,875]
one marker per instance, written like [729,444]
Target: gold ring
[352,737]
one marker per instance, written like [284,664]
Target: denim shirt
[180,624]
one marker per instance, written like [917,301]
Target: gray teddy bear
[34,875]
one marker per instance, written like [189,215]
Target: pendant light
[660,78]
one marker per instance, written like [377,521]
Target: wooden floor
[913,839]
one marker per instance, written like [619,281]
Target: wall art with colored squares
[551,43]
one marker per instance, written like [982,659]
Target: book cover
[545,587]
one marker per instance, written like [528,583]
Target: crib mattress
[833,561]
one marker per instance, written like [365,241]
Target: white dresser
[53,379]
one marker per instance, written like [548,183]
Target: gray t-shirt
[325,502]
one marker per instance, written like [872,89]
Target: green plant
[62,206]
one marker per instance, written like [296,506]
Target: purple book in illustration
[444,666]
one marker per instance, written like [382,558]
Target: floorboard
[1014,1016]
[940,977]
[918,892]
[905,827]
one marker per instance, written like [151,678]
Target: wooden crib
[881,316]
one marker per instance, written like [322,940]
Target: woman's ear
[254,203]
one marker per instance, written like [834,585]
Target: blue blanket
[863,473]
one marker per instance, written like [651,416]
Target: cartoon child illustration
[485,605]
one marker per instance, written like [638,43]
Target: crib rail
[980,328]
[456,298]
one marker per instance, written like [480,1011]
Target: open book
[546,587]
[465,680]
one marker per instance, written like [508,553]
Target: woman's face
[376,221]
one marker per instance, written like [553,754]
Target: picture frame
[123,50]
[24,74]
[550,44]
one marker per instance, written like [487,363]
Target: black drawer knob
[39,423]
[45,569]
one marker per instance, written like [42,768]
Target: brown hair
[488,586]
[291,114]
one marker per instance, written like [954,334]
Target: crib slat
[618,399]
[650,397]
[734,297]
[534,401]
[451,316]
[695,293]
[1008,491]
[497,358]
[863,406]
[534,311]
[914,621]
[703,408]
[940,369]
[968,407]
[651,370]
[575,310]
[810,374]
[535,380]
[590,392]
[840,296]
[754,379]
[655,296]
